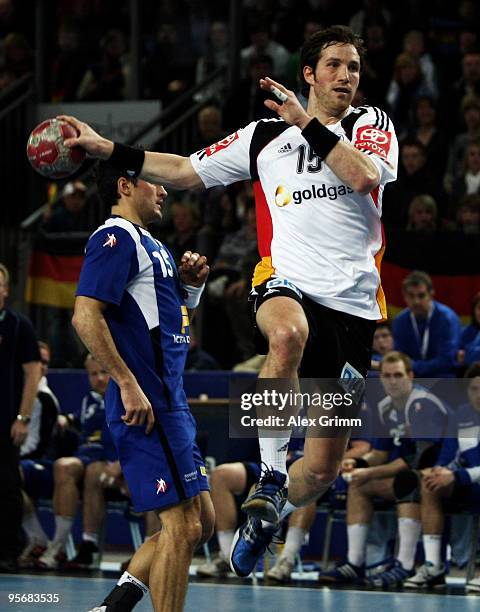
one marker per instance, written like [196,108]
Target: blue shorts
[37,477]
[165,467]
[89,453]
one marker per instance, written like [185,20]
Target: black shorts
[335,338]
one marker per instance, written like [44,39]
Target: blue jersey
[134,274]
[93,427]
[462,453]
[423,417]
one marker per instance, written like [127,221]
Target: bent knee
[319,478]
[288,340]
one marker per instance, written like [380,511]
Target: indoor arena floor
[78,594]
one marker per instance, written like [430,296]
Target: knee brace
[406,487]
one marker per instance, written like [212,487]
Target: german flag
[54,269]
[452,259]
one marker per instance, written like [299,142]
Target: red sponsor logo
[221,144]
[374,140]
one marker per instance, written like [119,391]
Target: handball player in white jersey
[319,176]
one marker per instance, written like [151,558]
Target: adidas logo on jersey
[285,149]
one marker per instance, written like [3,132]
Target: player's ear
[309,75]
[124,186]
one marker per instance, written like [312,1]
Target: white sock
[432,543]
[126,577]
[88,536]
[63,527]
[225,539]
[33,529]
[293,542]
[357,543]
[409,530]
[287,509]
[273,452]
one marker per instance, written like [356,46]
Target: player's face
[149,199]
[97,376]
[382,341]
[396,381]
[474,393]
[473,158]
[418,299]
[335,78]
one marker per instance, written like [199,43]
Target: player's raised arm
[171,170]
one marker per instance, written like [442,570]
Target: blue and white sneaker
[249,544]
[393,576]
[345,573]
[267,498]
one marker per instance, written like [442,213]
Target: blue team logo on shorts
[162,486]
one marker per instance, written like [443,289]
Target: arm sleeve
[448,451]
[472,351]
[107,269]
[374,134]
[226,161]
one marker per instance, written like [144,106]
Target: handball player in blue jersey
[132,312]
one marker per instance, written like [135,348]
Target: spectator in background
[20,373]
[17,55]
[422,214]
[95,450]
[382,344]
[70,214]
[186,220]
[469,351]
[426,130]
[210,130]
[108,78]
[215,57]
[197,358]
[414,179]
[377,68]
[452,485]
[35,467]
[68,65]
[261,45]
[468,215]
[169,67]
[414,44]
[427,331]
[293,65]
[407,85]
[467,85]
[471,118]
[468,183]
[373,12]
[246,102]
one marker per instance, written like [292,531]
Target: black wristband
[127,158]
[361,463]
[320,138]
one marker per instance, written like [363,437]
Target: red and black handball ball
[48,155]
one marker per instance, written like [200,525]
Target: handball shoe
[267,497]
[249,544]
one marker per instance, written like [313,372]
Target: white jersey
[313,230]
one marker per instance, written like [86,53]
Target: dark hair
[473,371]
[312,49]
[416,278]
[475,301]
[107,176]
[385,324]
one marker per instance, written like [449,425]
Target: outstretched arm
[350,165]
[171,170]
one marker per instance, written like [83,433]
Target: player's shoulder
[113,230]
[373,116]
[268,129]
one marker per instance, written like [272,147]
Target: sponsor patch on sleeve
[372,139]
[221,144]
